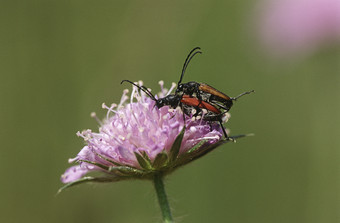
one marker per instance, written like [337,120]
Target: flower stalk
[162,198]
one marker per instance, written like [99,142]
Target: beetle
[204,92]
[188,104]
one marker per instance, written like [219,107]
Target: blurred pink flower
[288,27]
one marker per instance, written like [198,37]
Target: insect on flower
[204,92]
[189,105]
[137,141]
[202,99]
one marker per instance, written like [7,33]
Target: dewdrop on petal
[137,140]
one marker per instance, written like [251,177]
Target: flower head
[137,140]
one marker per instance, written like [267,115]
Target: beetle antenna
[244,93]
[141,88]
[187,60]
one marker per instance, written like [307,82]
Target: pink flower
[288,27]
[137,139]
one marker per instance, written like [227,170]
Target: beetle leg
[220,106]
[215,117]
[225,133]
[182,108]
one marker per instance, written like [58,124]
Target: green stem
[162,199]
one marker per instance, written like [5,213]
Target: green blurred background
[59,60]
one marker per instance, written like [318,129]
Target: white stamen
[94,115]
[161,84]
[109,109]
[132,94]
[113,105]
[121,115]
[139,93]
[85,134]
[134,116]
[123,98]
[138,97]
[173,85]
[80,135]
[204,111]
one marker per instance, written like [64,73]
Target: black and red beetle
[204,92]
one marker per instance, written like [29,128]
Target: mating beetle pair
[194,96]
[205,92]
[187,104]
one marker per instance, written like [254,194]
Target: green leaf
[145,156]
[144,163]
[107,159]
[160,160]
[91,179]
[126,170]
[197,151]
[197,146]
[200,153]
[190,154]
[176,146]
[208,149]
